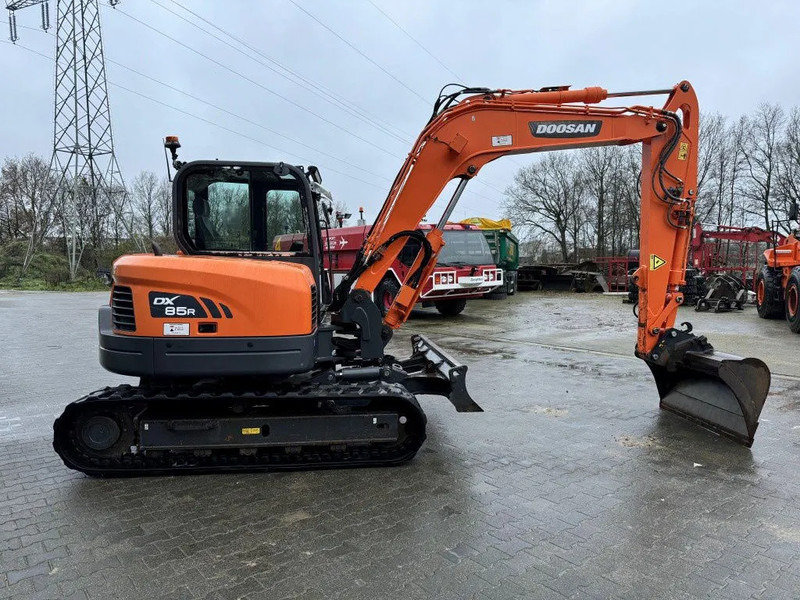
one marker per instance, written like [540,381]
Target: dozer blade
[432,371]
[722,392]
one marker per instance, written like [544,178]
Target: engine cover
[198,296]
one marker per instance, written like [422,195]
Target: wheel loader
[778,282]
[248,359]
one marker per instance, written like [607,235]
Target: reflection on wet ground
[572,484]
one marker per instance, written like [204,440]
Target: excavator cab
[238,209]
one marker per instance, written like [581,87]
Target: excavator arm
[722,392]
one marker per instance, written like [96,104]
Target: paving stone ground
[572,484]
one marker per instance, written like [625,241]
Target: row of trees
[88,229]
[569,205]
[583,203]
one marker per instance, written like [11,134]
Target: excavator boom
[725,394]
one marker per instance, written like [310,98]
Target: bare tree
[532,247]
[339,210]
[76,203]
[145,199]
[546,196]
[712,163]
[712,134]
[625,195]
[164,202]
[761,150]
[27,192]
[598,166]
[789,165]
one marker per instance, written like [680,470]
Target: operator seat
[204,229]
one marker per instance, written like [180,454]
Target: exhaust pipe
[722,392]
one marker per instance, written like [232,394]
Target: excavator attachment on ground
[248,358]
[722,392]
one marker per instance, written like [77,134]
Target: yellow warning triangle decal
[656,262]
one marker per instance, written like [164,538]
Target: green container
[505,248]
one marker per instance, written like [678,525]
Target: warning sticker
[251,430]
[656,262]
[502,140]
[176,329]
[683,151]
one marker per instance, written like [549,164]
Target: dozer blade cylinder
[722,392]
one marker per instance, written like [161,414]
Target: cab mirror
[314,175]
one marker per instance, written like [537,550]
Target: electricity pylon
[83,162]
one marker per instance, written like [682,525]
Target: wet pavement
[572,484]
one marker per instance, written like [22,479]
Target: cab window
[409,252]
[232,209]
[284,213]
[219,216]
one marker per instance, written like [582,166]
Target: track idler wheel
[722,392]
[93,436]
[99,433]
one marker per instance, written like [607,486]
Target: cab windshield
[465,248]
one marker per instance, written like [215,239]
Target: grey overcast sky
[737,54]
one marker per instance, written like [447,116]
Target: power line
[22,27]
[243,135]
[470,192]
[415,40]
[242,118]
[427,102]
[293,77]
[434,57]
[388,152]
[31,50]
[217,125]
[213,123]
[228,112]
[256,83]
[484,183]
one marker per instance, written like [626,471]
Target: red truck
[465,268]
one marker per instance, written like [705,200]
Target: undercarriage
[205,427]
[351,417]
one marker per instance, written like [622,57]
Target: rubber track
[128,402]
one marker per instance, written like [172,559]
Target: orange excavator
[248,359]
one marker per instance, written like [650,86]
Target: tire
[385,293]
[768,286]
[497,294]
[451,308]
[511,284]
[793,301]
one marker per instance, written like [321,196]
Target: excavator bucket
[722,392]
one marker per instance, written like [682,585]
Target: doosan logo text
[565,129]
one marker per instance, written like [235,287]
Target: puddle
[546,410]
[631,441]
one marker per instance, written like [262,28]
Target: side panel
[199,357]
[239,297]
